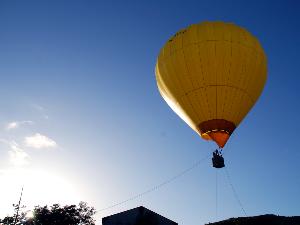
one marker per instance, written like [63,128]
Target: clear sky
[81,117]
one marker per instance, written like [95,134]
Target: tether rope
[156,187]
[234,192]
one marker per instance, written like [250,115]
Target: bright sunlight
[40,188]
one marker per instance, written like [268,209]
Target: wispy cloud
[42,110]
[39,141]
[38,107]
[16,124]
[17,156]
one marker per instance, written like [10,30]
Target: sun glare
[40,188]
[29,214]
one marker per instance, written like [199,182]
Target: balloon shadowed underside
[211,74]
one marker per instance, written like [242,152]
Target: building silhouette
[137,216]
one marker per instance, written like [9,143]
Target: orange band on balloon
[216,125]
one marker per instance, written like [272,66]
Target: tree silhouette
[56,215]
[18,216]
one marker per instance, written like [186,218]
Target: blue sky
[80,110]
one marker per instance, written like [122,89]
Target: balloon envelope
[211,74]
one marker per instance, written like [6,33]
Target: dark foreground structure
[137,216]
[261,220]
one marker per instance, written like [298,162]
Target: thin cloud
[16,124]
[17,156]
[42,110]
[39,141]
[38,107]
[12,125]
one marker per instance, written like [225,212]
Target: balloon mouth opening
[217,130]
[220,137]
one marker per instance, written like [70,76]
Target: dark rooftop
[137,216]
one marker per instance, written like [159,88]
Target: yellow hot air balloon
[211,74]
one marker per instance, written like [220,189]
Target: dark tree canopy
[56,215]
[260,220]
